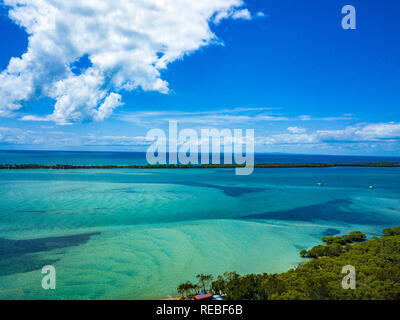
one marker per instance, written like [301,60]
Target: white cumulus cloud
[296,130]
[360,133]
[236,14]
[128,43]
[16,136]
[242,14]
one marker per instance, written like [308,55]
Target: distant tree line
[199,166]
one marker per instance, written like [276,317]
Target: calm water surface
[139,233]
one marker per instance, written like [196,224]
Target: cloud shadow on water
[20,256]
[337,211]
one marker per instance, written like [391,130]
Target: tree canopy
[376,261]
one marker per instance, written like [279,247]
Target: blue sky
[284,68]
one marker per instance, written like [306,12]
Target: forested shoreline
[376,262]
[200,166]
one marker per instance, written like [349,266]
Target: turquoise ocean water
[137,234]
